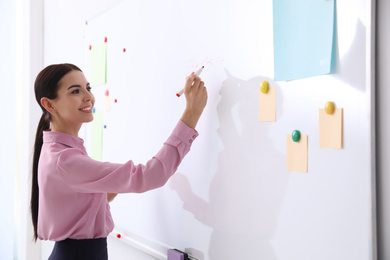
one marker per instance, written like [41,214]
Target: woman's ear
[48,105]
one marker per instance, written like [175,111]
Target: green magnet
[296,135]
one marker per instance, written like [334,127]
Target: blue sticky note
[303,38]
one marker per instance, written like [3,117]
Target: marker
[197,73]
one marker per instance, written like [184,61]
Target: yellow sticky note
[97,136]
[331,129]
[98,74]
[267,105]
[297,154]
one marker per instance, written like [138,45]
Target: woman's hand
[111,196]
[196,96]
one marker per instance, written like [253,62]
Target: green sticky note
[98,73]
[97,136]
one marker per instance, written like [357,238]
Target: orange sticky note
[331,129]
[108,102]
[297,154]
[267,105]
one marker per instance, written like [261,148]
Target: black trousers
[80,249]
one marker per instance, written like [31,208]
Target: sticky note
[331,129]
[303,38]
[108,102]
[267,105]
[97,136]
[98,72]
[297,153]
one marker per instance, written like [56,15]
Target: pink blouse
[73,187]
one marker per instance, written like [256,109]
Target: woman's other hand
[196,97]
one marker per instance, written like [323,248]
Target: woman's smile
[87,109]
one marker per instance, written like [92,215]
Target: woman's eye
[75,91]
[89,89]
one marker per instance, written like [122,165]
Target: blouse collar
[66,139]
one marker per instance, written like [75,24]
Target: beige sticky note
[331,129]
[108,103]
[267,105]
[297,154]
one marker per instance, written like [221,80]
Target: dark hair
[46,85]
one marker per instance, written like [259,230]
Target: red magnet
[118,235]
[90,47]
[124,49]
[107,92]
[105,39]
[116,100]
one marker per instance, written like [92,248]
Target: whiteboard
[232,197]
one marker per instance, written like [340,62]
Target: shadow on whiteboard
[248,188]
[354,66]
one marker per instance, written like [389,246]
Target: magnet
[296,135]
[329,107]
[264,87]
[175,254]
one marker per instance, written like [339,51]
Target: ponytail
[44,124]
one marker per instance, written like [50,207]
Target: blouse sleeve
[84,174]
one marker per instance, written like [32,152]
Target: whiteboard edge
[371,72]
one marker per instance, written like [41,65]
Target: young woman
[71,191]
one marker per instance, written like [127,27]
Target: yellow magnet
[264,87]
[329,107]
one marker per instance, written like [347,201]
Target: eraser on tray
[174,254]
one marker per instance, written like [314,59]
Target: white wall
[7,147]
[21,53]
[383,127]
[29,62]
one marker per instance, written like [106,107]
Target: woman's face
[74,103]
